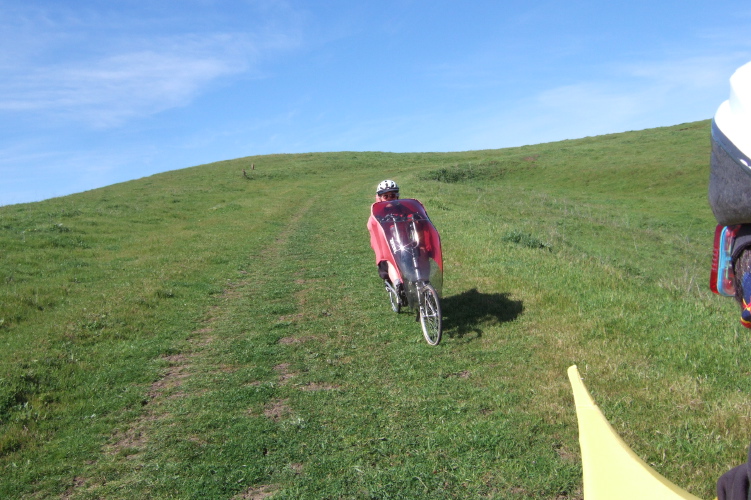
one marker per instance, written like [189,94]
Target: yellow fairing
[612,470]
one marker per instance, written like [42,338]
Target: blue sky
[96,92]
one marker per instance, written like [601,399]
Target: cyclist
[728,197]
[386,190]
[735,484]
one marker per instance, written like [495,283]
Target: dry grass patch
[78,482]
[257,493]
[277,409]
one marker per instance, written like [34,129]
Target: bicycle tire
[431,320]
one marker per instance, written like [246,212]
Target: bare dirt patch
[257,493]
[291,318]
[172,378]
[284,374]
[78,482]
[277,409]
[128,443]
[205,339]
[567,455]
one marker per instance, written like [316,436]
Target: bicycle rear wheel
[430,315]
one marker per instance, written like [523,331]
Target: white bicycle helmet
[387,186]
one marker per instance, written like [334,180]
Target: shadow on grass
[467,312]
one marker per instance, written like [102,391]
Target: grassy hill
[201,334]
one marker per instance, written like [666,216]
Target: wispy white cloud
[72,76]
[635,95]
[628,96]
[690,88]
[102,73]
[701,72]
[107,91]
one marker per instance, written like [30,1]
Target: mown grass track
[199,334]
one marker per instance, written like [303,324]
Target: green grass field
[200,334]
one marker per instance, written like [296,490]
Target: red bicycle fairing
[402,234]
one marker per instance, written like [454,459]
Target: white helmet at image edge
[387,186]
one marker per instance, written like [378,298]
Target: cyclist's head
[387,190]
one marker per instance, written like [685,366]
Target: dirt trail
[132,441]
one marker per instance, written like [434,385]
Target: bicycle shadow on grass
[469,311]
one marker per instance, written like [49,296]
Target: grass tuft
[525,240]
